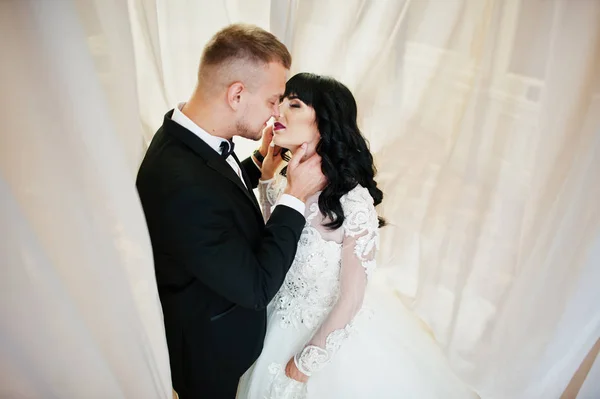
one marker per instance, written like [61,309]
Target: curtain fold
[80,311]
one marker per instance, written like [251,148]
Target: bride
[321,342]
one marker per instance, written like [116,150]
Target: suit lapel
[220,165]
[214,160]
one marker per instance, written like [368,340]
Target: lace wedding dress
[318,318]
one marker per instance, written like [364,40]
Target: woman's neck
[309,152]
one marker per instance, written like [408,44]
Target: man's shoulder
[165,150]
[169,165]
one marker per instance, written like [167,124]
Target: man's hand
[304,178]
[292,372]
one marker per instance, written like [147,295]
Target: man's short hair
[245,43]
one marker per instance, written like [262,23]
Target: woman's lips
[278,126]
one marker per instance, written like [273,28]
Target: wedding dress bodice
[324,288]
[312,285]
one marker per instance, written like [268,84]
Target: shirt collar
[213,141]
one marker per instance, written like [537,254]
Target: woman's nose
[276,112]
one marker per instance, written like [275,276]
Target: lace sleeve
[358,261]
[269,192]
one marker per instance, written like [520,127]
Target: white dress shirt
[215,143]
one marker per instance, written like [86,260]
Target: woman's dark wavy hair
[346,159]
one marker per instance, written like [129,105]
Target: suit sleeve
[207,242]
[251,170]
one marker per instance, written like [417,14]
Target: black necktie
[226,148]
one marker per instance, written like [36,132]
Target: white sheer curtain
[79,311]
[484,116]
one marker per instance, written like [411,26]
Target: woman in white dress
[321,343]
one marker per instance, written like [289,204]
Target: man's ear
[234,95]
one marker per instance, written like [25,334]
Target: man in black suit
[217,264]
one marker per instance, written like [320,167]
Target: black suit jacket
[217,264]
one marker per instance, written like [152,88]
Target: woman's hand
[292,372]
[273,158]
[267,137]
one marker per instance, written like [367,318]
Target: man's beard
[244,130]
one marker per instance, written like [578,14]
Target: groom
[217,264]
